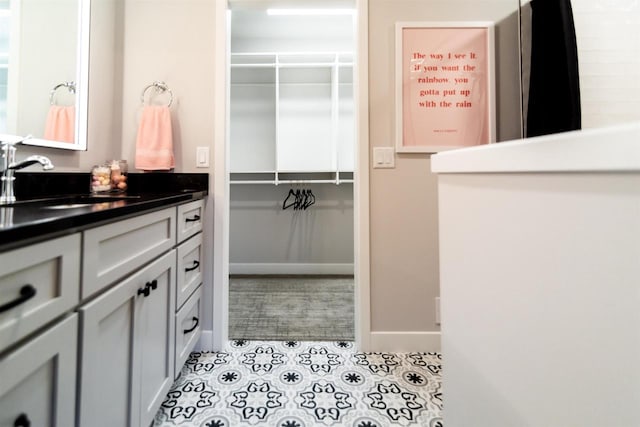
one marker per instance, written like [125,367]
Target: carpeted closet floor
[304,384]
[303,308]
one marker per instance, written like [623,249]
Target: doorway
[291,130]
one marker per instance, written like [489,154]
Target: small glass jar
[118,169]
[100,179]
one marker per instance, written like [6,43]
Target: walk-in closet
[291,163]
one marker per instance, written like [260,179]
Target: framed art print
[445,85]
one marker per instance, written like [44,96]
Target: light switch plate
[202,157]
[383,157]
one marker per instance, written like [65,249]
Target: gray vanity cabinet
[127,348]
[89,321]
[37,379]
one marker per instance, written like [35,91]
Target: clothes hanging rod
[253,65]
[257,172]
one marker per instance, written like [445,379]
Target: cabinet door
[107,373]
[38,379]
[155,339]
[127,348]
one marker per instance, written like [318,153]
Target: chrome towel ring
[70,86]
[160,87]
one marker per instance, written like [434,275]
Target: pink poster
[445,87]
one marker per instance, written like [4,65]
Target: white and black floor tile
[304,384]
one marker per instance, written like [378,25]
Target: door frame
[219,258]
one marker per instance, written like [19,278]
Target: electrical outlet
[202,157]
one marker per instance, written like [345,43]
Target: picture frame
[445,85]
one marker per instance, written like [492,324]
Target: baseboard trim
[397,342]
[206,341]
[290,268]
[400,342]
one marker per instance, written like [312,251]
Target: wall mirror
[44,67]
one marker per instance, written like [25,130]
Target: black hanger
[284,204]
[302,199]
[298,205]
[311,199]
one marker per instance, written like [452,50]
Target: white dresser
[540,281]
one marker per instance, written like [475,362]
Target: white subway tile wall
[609,60]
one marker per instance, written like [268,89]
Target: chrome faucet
[10,165]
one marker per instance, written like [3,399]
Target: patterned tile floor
[304,384]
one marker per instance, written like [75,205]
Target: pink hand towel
[61,123]
[154,144]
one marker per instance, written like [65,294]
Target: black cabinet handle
[148,287]
[22,421]
[196,264]
[26,293]
[195,319]
[195,218]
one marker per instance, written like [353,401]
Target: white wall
[404,211]
[609,60]
[172,41]
[265,239]
[134,43]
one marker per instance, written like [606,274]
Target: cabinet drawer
[188,328]
[37,284]
[39,379]
[190,217]
[189,268]
[114,250]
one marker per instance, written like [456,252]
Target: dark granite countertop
[43,211]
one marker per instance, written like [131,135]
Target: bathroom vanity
[101,301]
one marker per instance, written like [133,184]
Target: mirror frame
[82,87]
